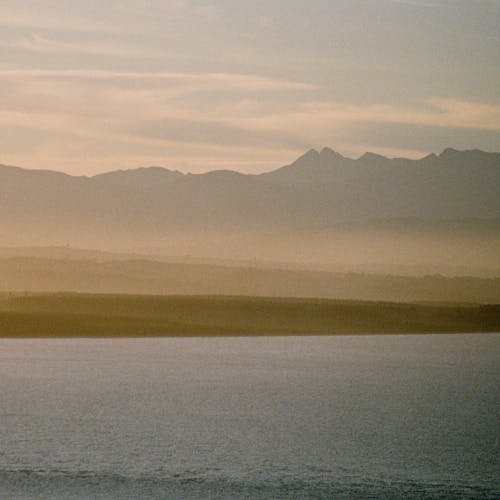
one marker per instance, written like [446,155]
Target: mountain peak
[313,157]
[309,158]
[369,156]
[144,176]
[449,152]
[312,154]
[329,153]
[429,157]
[153,170]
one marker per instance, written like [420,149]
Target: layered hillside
[322,207]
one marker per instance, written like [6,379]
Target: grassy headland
[106,315]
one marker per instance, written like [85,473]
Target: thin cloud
[222,81]
[161,111]
[37,43]
[449,113]
[243,134]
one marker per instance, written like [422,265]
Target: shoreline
[235,336]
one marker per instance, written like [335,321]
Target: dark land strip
[106,315]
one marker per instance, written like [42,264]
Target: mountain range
[319,192]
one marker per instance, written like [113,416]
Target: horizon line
[310,151]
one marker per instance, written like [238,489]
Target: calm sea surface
[287,417]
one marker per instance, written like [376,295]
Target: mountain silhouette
[318,190]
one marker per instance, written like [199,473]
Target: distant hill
[318,193]
[148,276]
[140,178]
[318,187]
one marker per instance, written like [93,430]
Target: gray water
[283,417]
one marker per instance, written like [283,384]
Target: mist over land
[323,212]
[149,276]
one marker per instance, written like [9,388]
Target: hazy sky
[93,85]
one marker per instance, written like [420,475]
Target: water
[283,417]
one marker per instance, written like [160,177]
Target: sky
[88,86]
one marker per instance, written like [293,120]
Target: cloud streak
[37,43]
[220,81]
[139,111]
